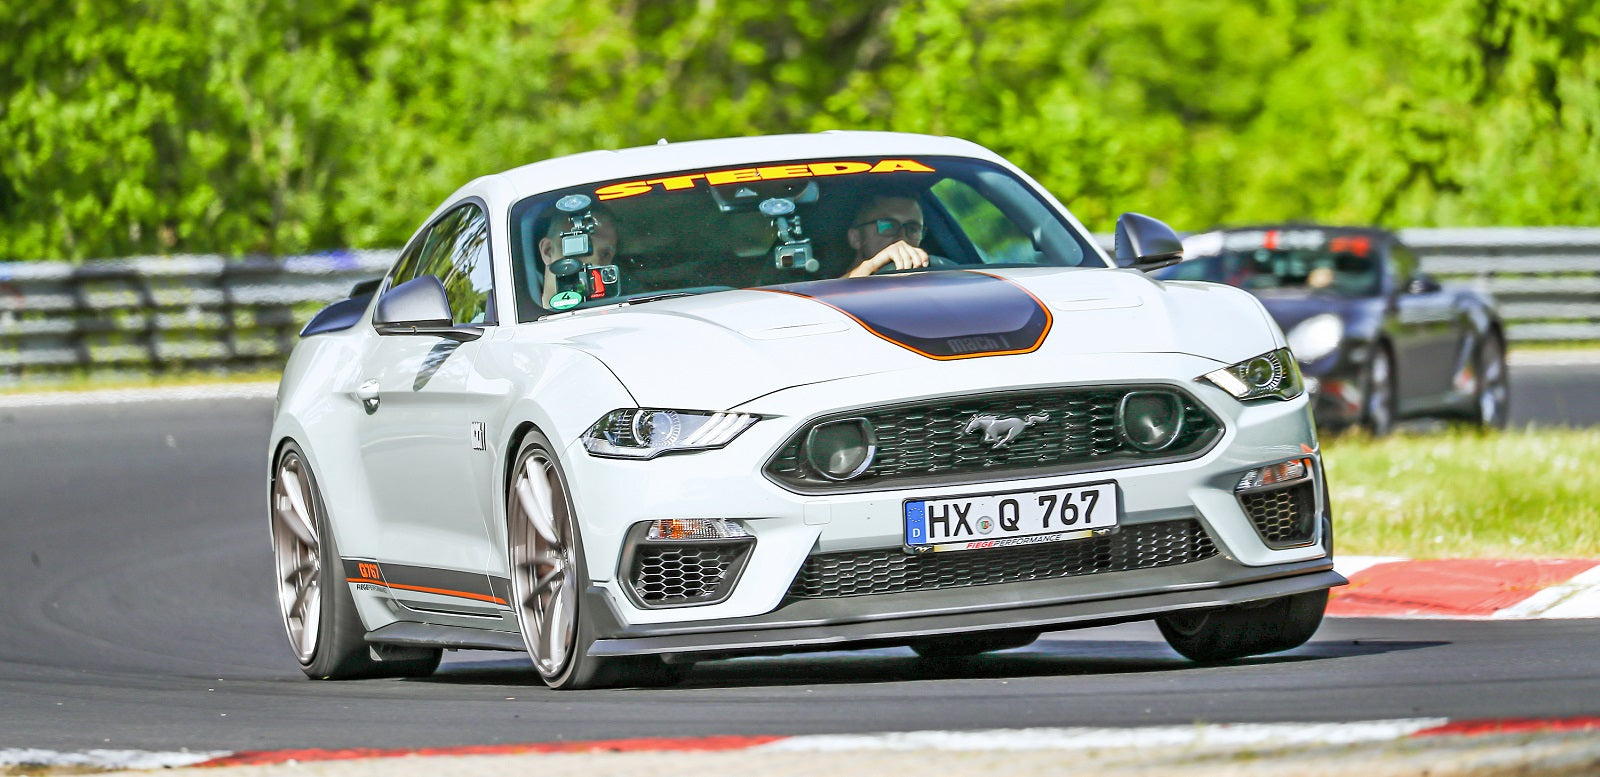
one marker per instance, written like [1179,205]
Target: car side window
[1403,262]
[456,251]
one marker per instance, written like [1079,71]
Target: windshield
[1341,266]
[700,231]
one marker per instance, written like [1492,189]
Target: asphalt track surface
[137,613]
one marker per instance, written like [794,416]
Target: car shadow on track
[1046,658]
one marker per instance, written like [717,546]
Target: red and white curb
[1218,735]
[1467,588]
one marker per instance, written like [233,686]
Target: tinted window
[455,249]
[702,231]
[1302,260]
[1405,263]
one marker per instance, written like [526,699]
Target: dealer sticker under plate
[1015,518]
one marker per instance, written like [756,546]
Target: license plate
[1015,518]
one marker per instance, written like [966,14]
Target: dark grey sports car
[1377,339]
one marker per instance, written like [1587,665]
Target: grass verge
[1515,494]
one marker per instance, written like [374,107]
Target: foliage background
[280,126]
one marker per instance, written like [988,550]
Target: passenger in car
[886,231]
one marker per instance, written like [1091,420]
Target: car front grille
[926,442]
[677,573]
[1284,517]
[892,570]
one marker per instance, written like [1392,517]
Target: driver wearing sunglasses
[887,233]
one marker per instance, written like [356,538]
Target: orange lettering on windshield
[1350,244]
[900,165]
[785,171]
[838,168]
[619,190]
[747,174]
[732,176]
[677,181]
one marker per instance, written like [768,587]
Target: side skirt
[434,636]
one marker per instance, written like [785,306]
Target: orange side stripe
[423,589]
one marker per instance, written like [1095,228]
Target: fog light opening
[1150,420]
[1275,474]
[841,450]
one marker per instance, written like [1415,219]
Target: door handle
[368,394]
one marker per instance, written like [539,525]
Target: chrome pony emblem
[999,431]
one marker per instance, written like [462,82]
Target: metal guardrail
[156,313]
[159,313]
[1546,279]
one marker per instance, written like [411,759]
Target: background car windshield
[1339,273]
[708,230]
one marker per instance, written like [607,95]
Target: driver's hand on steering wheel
[899,255]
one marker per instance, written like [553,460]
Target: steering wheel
[935,262]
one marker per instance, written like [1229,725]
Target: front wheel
[1227,633]
[1493,400]
[314,599]
[548,577]
[1378,385]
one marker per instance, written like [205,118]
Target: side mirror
[1146,244]
[419,307]
[1422,283]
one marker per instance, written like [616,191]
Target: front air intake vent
[892,570]
[1016,434]
[676,573]
[1284,517]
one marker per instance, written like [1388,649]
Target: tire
[1227,633]
[318,610]
[968,645]
[1492,402]
[548,577]
[1378,393]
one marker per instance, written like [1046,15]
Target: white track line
[1350,565]
[106,759]
[1576,598]
[1202,735]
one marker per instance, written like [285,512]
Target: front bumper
[895,619]
[762,614]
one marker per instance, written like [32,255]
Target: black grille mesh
[891,570]
[1284,517]
[929,439]
[683,574]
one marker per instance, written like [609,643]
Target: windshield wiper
[653,297]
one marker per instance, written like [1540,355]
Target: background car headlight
[1150,420]
[1316,337]
[1273,374]
[643,433]
[841,450]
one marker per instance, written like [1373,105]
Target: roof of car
[576,169]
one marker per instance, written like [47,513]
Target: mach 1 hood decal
[941,315]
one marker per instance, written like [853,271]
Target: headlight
[645,433]
[1272,374]
[1316,337]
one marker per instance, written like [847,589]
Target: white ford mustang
[624,411]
